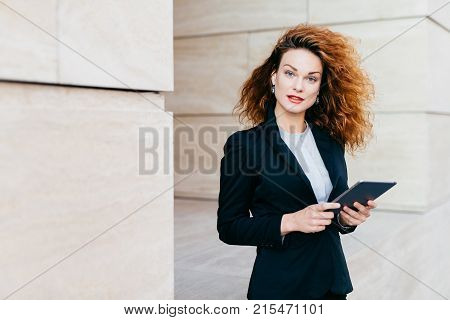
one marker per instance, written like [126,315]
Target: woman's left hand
[349,217]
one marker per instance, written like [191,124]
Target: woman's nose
[299,85]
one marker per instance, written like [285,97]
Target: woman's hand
[349,217]
[310,219]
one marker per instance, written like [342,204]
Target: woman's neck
[288,121]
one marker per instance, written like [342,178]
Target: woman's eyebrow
[296,68]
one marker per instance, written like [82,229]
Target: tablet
[361,192]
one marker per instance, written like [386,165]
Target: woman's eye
[312,79]
[289,73]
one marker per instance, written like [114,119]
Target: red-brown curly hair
[345,91]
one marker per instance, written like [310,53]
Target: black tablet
[361,192]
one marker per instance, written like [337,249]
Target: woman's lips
[295,99]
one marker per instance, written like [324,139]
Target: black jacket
[259,173]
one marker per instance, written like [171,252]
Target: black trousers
[332,296]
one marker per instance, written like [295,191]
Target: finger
[318,228]
[343,218]
[321,222]
[324,215]
[327,206]
[349,220]
[372,204]
[355,215]
[362,209]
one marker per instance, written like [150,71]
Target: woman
[307,103]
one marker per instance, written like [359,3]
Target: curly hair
[345,91]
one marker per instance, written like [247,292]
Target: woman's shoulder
[243,139]
[329,136]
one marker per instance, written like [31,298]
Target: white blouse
[304,147]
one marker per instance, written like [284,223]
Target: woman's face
[299,75]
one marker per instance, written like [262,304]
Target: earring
[273,88]
[317,100]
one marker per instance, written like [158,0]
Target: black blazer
[259,173]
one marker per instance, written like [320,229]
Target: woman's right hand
[310,219]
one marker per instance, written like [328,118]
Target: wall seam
[262,30]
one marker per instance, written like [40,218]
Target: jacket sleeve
[343,229]
[237,185]
[335,221]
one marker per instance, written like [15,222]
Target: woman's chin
[294,108]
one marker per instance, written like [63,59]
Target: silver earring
[273,88]
[317,100]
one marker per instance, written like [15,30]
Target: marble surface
[27,52]
[198,143]
[128,44]
[79,221]
[413,150]
[439,44]
[18,96]
[88,43]
[215,16]
[410,263]
[323,11]
[397,152]
[439,131]
[442,16]
[209,71]
[193,285]
[408,68]
[260,46]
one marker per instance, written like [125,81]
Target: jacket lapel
[329,157]
[281,150]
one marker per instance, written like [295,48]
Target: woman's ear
[273,77]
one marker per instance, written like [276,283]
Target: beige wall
[80,220]
[91,43]
[214,53]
